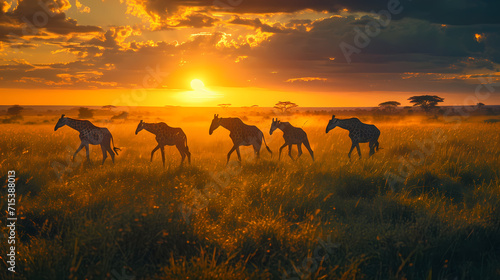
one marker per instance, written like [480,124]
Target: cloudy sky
[248,52]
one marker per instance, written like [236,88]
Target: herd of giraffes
[240,133]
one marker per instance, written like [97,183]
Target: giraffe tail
[115,149]
[186,143]
[269,150]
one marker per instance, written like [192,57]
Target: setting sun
[199,94]
[197,84]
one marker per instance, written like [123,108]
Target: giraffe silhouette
[90,134]
[293,136]
[166,136]
[241,134]
[358,132]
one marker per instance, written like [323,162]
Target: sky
[316,53]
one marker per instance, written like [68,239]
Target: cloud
[114,37]
[257,23]
[82,8]
[171,14]
[242,45]
[306,79]
[410,41]
[108,61]
[460,12]
[41,18]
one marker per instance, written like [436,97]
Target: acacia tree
[15,110]
[479,105]
[426,102]
[284,106]
[85,113]
[389,106]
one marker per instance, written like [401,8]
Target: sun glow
[200,94]
[197,85]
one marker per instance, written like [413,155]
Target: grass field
[268,219]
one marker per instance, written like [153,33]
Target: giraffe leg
[87,150]
[111,153]
[290,151]
[350,151]
[109,150]
[78,150]
[281,148]
[372,148]
[238,153]
[104,153]
[359,150]
[162,149]
[308,147]
[182,152]
[299,148]
[153,152]
[188,153]
[230,152]
[256,149]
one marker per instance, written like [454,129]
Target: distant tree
[389,106]
[224,105]
[85,113]
[426,102]
[108,107]
[479,105]
[284,106]
[15,110]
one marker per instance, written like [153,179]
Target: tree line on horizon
[427,103]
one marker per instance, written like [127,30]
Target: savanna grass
[263,220]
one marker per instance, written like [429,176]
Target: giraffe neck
[230,123]
[77,125]
[151,127]
[348,124]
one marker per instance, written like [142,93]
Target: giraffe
[90,134]
[166,135]
[293,136]
[241,134]
[358,132]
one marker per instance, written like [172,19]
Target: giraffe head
[215,124]
[139,127]
[332,124]
[61,122]
[274,125]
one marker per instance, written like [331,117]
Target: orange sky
[237,97]
[252,52]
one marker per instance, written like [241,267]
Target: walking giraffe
[293,136]
[241,134]
[358,132]
[166,135]
[90,134]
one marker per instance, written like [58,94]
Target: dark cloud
[113,37]
[405,40]
[33,17]
[197,20]
[456,12]
[257,23]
